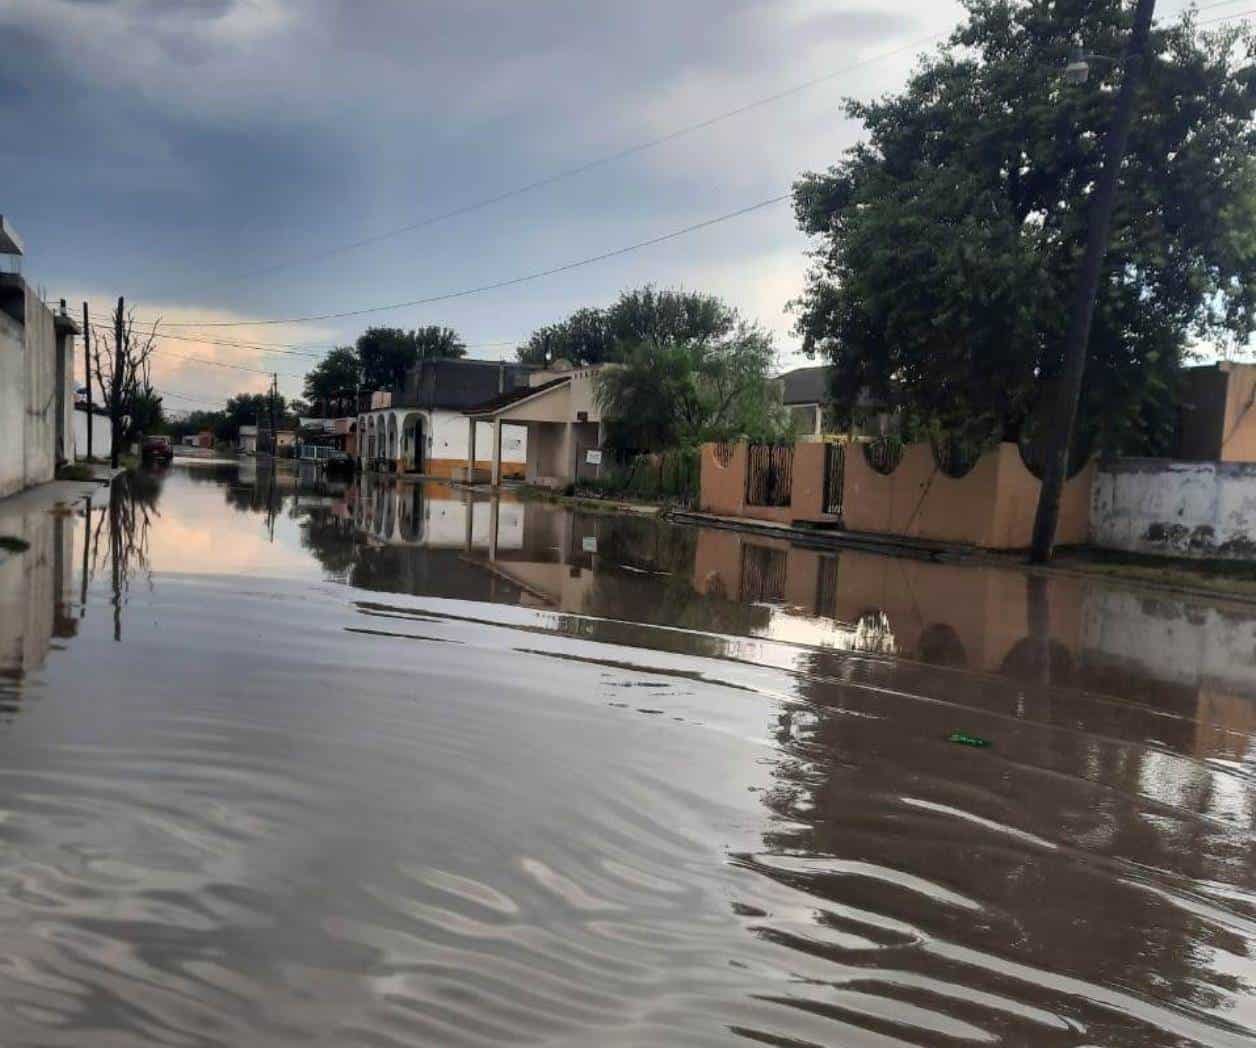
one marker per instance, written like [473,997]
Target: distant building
[807,395]
[246,441]
[37,423]
[420,427]
[1217,414]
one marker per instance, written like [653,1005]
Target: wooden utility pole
[115,387]
[87,371]
[274,433]
[1064,416]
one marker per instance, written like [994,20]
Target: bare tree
[121,360]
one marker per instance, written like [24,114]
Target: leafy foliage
[386,354]
[645,315]
[951,237]
[333,384]
[669,393]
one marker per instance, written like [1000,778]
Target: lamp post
[1064,416]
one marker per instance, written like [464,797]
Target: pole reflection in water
[384,763]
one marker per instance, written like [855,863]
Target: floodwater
[290,764]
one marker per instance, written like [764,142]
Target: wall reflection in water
[1189,666]
[43,588]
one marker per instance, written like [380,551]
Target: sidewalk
[44,497]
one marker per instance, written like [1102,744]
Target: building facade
[420,427]
[37,422]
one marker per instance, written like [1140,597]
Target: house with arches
[420,427]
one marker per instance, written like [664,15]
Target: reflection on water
[380,763]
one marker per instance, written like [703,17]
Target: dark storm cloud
[169,147]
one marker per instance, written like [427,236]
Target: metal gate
[769,474]
[834,477]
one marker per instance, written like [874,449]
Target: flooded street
[287,763]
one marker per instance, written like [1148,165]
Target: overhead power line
[496,285]
[1225,18]
[580,169]
[622,154]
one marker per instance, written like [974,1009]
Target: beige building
[558,409]
[1217,414]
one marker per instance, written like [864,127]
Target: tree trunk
[1064,420]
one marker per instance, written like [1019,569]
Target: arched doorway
[412,443]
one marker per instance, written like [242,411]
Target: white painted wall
[449,439]
[102,435]
[34,383]
[1181,509]
[12,405]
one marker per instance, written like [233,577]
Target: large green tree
[668,392]
[386,354]
[333,384]
[596,336]
[253,409]
[951,237]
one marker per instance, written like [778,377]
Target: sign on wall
[593,457]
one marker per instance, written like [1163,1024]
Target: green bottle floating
[964,739]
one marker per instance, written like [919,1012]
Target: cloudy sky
[211,160]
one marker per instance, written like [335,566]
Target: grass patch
[76,471]
[1234,577]
[13,544]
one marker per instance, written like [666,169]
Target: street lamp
[1078,69]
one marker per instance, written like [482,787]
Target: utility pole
[87,371]
[274,433]
[115,387]
[1064,415]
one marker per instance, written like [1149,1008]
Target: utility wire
[577,170]
[1225,18]
[623,154]
[496,285]
[580,169]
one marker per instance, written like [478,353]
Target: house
[806,394]
[420,426]
[558,410]
[1216,414]
[204,439]
[337,434]
[246,441]
[37,418]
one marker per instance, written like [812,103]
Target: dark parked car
[157,449]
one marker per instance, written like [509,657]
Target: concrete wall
[447,445]
[35,588]
[723,485]
[12,405]
[102,434]
[991,506]
[1183,509]
[36,391]
[40,430]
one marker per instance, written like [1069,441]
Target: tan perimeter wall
[992,506]
[723,487]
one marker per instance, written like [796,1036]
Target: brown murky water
[297,765]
